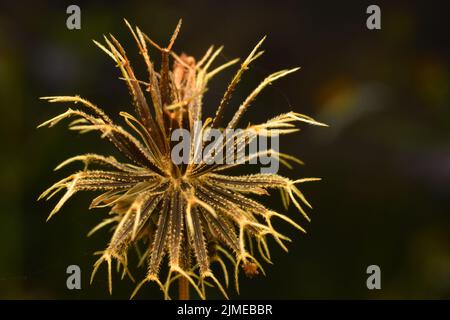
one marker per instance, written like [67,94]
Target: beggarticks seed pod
[194,213]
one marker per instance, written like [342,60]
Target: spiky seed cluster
[195,214]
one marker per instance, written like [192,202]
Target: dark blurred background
[385,160]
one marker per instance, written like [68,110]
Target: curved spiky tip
[105,257]
[148,278]
[209,274]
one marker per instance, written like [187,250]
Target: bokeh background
[385,160]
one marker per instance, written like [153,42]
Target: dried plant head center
[197,215]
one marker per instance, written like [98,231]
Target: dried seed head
[193,212]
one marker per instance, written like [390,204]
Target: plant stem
[183,288]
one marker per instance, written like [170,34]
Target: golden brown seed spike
[223,229]
[161,237]
[153,81]
[140,40]
[219,69]
[176,227]
[267,81]
[140,102]
[205,57]
[165,81]
[237,77]
[174,35]
[78,99]
[198,241]
[212,58]
[152,43]
[164,85]
[141,107]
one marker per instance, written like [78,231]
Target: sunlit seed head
[197,215]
